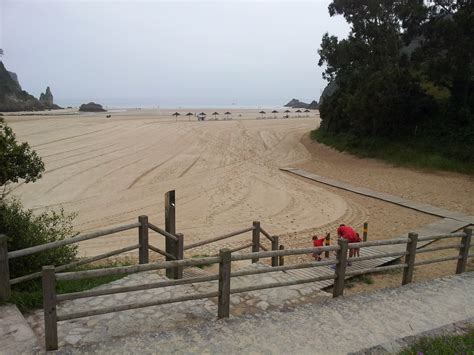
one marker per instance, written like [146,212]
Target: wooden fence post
[275,247]
[281,259]
[410,258]
[224,283]
[464,251]
[49,305]
[170,226]
[5,290]
[366,229]
[143,251]
[327,242]
[255,239]
[179,254]
[341,257]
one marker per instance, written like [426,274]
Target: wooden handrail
[161,252]
[111,291]
[78,238]
[162,231]
[269,254]
[212,240]
[269,237]
[76,263]
[442,236]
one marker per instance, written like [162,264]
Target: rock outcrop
[295,103]
[47,98]
[91,107]
[13,98]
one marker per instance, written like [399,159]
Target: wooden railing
[224,290]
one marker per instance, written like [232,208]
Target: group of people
[345,232]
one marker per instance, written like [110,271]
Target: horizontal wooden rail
[380,256]
[437,248]
[432,261]
[376,269]
[77,238]
[124,270]
[378,243]
[442,236]
[281,284]
[76,263]
[162,231]
[283,268]
[161,252]
[248,245]
[269,254]
[111,291]
[266,234]
[125,307]
[212,240]
[262,247]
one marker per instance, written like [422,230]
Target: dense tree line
[405,70]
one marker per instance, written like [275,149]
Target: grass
[418,153]
[446,344]
[28,296]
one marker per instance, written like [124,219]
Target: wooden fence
[225,275]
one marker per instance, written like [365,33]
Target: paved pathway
[335,326]
[422,207]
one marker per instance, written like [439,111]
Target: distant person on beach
[318,242]
[351,236]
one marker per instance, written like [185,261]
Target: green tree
[17,160]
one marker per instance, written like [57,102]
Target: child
[318,242]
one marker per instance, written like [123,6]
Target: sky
[168,53]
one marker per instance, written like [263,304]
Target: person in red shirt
[351,236]
[318,242]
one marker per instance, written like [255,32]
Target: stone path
[335,326]
[96,329]
[422,207]
[16,336]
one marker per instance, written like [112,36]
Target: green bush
[24,229]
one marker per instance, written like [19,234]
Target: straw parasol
[227,115]
[215,115]
[201,116]
[275,112]
[262,113]
[298,112]
[287,113]
[176,114]
[307,112]
[189,114]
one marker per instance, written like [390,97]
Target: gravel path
[342,325]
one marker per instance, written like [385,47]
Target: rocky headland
[295,103]
[91,107]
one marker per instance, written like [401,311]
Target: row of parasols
[202,115]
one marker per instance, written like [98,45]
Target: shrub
[25,229]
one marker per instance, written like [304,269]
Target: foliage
[30,298]
[25,229]
[405,72]
[17,160]
[445,344]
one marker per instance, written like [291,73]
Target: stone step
[16,335]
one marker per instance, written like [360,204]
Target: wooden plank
[212,240]
[78,238]
[49,306]
[223,300]
[5,290]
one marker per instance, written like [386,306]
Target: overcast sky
[167,52]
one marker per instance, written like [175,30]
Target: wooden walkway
[417,206]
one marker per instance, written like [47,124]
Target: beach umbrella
[227,115]
[298,112]
[287,113]
[189,114]
[275,112]
[176,114]
[262,113]
[307,111]
[201,116]
[215,115]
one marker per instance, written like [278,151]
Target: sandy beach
[226,175]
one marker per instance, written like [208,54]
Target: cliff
[91,107]
[13,98]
